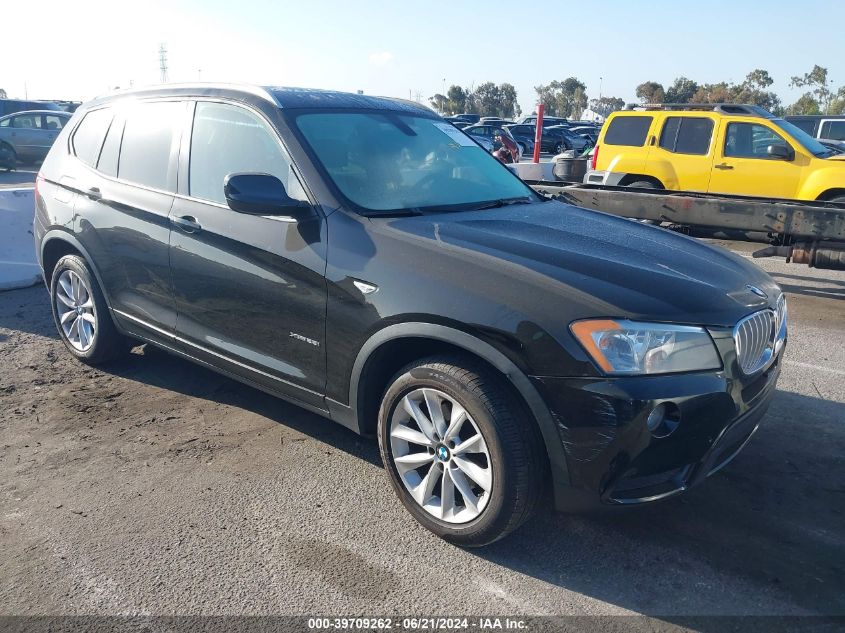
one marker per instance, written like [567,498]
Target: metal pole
[538,132]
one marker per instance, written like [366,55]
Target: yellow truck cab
[715,148]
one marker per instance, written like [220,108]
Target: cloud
[380,59]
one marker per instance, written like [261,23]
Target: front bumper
[614,460]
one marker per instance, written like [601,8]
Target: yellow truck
[720,149]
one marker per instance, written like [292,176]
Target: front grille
[759,336]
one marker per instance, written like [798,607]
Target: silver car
[27,136]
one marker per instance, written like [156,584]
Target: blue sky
[399,48]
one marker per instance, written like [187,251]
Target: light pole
[601,80]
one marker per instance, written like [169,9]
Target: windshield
[809,143]
[388,162]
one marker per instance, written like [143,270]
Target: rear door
[742,165]
[250,290]
[25,134]
[685,144]
[126,195]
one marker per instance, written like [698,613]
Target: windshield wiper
[495,204]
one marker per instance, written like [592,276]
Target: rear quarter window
[628,130]
[89,134]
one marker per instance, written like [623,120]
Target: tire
[522,149]
[506,475]
[558,148]
[8,157]
[642,184]
[76,297]
[837,199]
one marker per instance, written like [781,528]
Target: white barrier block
[18,265]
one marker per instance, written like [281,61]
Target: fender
[70,238]
[348,416]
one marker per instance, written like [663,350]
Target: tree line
[568,98]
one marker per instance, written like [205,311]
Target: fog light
[663,419]
[656,417]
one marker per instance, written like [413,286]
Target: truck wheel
[81,314]
[463,457]
[838,200]
[642,184]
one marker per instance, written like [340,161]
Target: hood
[594,263]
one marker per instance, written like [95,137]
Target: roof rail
[723,108]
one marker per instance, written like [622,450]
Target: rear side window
[148,137]
[54,122]
[686,135]
[628,130]
[833,130]
[89,135]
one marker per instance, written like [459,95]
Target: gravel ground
[157,487]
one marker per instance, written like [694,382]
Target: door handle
[724,166]
[94,193]
[187,223]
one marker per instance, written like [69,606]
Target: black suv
[366,260]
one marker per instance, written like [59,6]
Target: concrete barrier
[18,265]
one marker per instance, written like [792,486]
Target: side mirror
[261,194]
[780,152]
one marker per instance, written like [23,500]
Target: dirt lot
[157,487]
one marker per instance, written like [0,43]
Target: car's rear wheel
[462,455]
[81,314]
[522,149]
[8,157]
[558,148]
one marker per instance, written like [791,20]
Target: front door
[743,166]
[250,290]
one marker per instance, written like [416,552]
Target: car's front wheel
[462,455]
[81,314]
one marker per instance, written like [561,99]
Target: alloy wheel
[75,307]
[441,456]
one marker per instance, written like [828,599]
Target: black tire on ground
[558,148]
[518,462]
[8,157]
[108,343]
[522,148]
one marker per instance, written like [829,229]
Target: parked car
[469,117]
[552,141]
[490,132]
[523,137]
[27,136]
[10,106]
[365,260]
[822,126]
[572,140]
[548,121]
[590,133]
[716,148]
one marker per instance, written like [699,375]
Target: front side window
[386,161]
[148,137]
[628,130]
[53,122]
[687,135]
[750,140]
[89,135]
[228,139]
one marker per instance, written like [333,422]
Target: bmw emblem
[443,453]
[757,291]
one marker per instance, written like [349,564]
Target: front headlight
[629,347]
